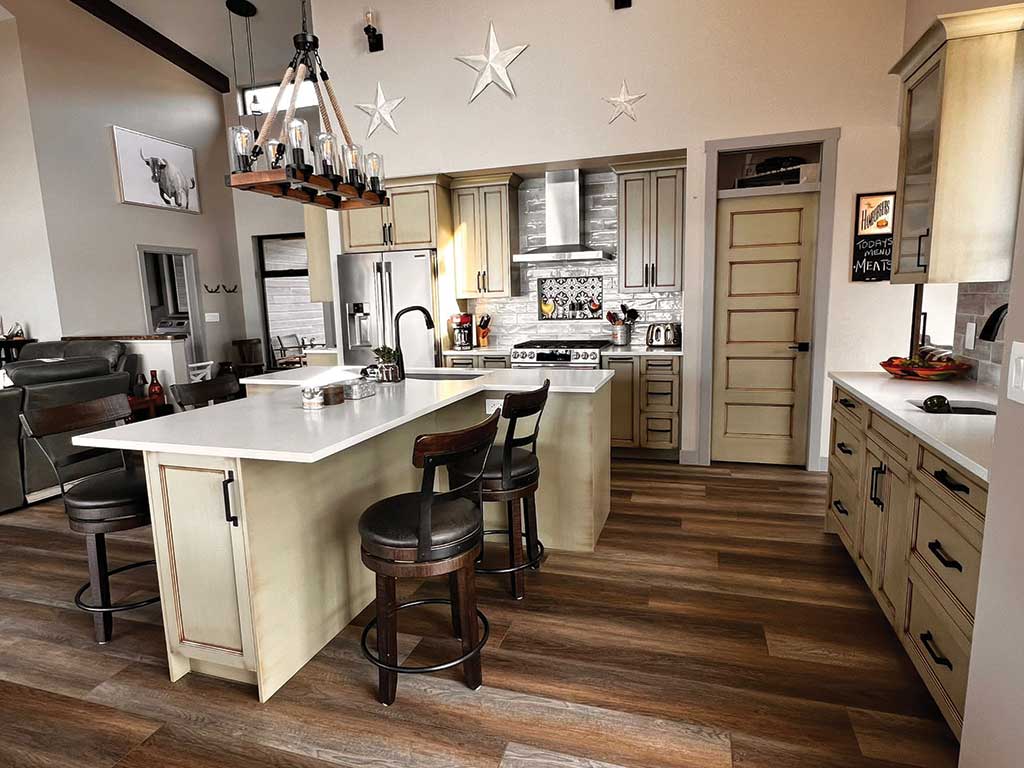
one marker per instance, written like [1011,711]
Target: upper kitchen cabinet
[651,207]
[485,215]
[419,214]
[961,149]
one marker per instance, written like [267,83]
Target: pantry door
[764,284]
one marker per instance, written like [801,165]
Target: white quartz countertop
[641,350]
[963,439]
[275,427]
[496,351]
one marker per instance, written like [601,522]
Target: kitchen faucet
[995,321]
[398,333]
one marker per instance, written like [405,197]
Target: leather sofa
[48,374]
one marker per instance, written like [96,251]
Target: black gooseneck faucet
[995,321]
[398,333]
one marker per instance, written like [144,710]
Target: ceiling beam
[145,35]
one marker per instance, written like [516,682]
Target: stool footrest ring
[117,607]
[513,569]
[376,660]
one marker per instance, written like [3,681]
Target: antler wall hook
[211,290]
[229,290]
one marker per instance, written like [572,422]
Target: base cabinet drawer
[659,393]
[494,361]
[946,553]
[659,431]
[952,484]
[461,362]
[897,443]
[847,450]
[940,651]
[844,505]
[849,406]
[655,364]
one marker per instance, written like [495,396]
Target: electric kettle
[664,335]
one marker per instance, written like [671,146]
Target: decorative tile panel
[570,298]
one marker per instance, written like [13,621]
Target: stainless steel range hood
[563,222]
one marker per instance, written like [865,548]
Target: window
[287,308]
[258,100]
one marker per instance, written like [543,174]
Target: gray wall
[975,302]
[516,319]
[75,92]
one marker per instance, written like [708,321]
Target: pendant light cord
[234,62]
[252,63]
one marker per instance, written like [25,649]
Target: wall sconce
[374,39]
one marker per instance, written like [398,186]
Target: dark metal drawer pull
[847,403]
[840,508]
[927,233]
[226,484]
[943,556]
[652,429]
[938,658]
[956,487]
[843,448]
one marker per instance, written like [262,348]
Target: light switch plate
[970,335]
[1015,383]
[212,317]
[490,406]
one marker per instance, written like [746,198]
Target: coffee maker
[463,332]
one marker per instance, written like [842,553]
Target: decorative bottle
[156,389]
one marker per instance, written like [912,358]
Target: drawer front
[947,553]
[897,443]
[952,483]
[848,405]
[659,393]
[655,364]
[941,651]
[493,361]
[659,431]
[461,362]
[847,448]
[845,507]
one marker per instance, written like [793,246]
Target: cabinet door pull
[486,287]
[647,275]
[943,477]
[478,282]
[391,233]
[938,658]
[927,232]
[840,508]
[943,557]
[226,485]
[876,472]
[383,234]
[844,448]
[846,403]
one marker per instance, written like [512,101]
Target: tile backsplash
[516,319]
[975,302]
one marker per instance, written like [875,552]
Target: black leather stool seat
[455,525]
[118,488]
[523,468]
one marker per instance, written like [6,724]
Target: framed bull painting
[155,172]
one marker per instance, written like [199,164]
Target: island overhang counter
[255,505]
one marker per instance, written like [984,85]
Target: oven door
[567,366]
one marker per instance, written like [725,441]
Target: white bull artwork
[173,185]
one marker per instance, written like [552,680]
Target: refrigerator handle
[388,307]
[378,295]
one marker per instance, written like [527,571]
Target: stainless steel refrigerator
[373,288]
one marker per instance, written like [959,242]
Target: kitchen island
[255,505]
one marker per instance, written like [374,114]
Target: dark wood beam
[145,35]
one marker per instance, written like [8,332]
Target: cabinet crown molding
[954,26]
[486,179]
[660,164]
[440,179]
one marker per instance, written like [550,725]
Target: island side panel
[306,578]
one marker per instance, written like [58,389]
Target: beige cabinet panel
[466,221]
[666,228]
[413,220]
[869,544]
[659,431]
[950,556]
[318,251]
[891,576]
[634,240]
[364,229]
[494,238]
[625,396]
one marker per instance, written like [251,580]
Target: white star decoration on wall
[380,112]
[623,103]
[492,65]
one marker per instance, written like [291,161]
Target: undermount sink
[438,376]
[963,407]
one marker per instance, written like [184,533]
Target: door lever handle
[801,346]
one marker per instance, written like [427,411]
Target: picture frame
[155,173]
[872,236]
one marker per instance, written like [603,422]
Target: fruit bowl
[905,368]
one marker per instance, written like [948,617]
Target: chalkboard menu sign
[872,239]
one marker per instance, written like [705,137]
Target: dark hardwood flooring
[715,625]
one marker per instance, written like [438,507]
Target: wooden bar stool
[511,475]
[106,501]
[202,393]
[428,533]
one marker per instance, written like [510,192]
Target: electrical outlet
[212,317]
[490,406]
[970,335]
[1015,384]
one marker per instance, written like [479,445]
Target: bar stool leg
[515,548]
[99,585]
[453,593]
[465,579]
[530,514]
[387,638]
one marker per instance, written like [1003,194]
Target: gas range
[558,353]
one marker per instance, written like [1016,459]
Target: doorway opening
[170,294]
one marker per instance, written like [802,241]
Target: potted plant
[622,325]
[387,363]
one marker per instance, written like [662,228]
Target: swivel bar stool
[97,504]
[511,475]
[428,533]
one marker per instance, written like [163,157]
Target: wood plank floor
[715,625]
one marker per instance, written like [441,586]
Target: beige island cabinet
[255,505]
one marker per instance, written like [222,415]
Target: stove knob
[532,355]
[593,355]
